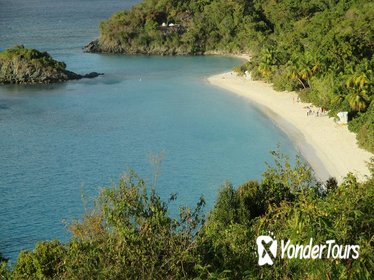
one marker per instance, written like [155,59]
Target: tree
[132,229]
[357,85]
[267,61]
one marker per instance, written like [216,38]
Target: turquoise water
[57,141]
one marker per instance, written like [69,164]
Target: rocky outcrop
[98,46]
[93,47]
[28,66]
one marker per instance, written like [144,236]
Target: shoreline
[329,148]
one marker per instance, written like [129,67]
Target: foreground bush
[129,234]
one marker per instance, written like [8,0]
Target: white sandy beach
[330,149]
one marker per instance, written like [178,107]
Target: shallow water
[58,141]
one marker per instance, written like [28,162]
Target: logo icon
[266,249]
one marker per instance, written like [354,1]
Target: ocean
[59,142]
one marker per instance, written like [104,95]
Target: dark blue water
[58,141]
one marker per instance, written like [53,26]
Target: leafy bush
[240,69]
[282,82]
[45,261]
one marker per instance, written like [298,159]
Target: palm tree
[305,73]
[338,99]
[357,85]
[264,69]
[267,61]
[357,80]
[308,66]
[299,72]
[358,100]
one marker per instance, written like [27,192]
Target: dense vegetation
[177,27]
[33,56]
[129,234]
[324,49]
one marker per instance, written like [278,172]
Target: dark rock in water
[4,107]
[92,47]
[28,66]
[72,75]
[92,75]
[98,47]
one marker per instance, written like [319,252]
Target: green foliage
[131,229]
[129,234]
[282,82]
[4,270]
[365,134]
[290,203]
[32,56]
[240,69]
[363,125]
[227,239]
[344,215]
[44,262]
[324,50]
[199,26]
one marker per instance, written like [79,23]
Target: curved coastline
[329,148]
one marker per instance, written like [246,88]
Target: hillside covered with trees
[130,234]
[323,49]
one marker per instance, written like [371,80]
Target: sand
[331,149]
